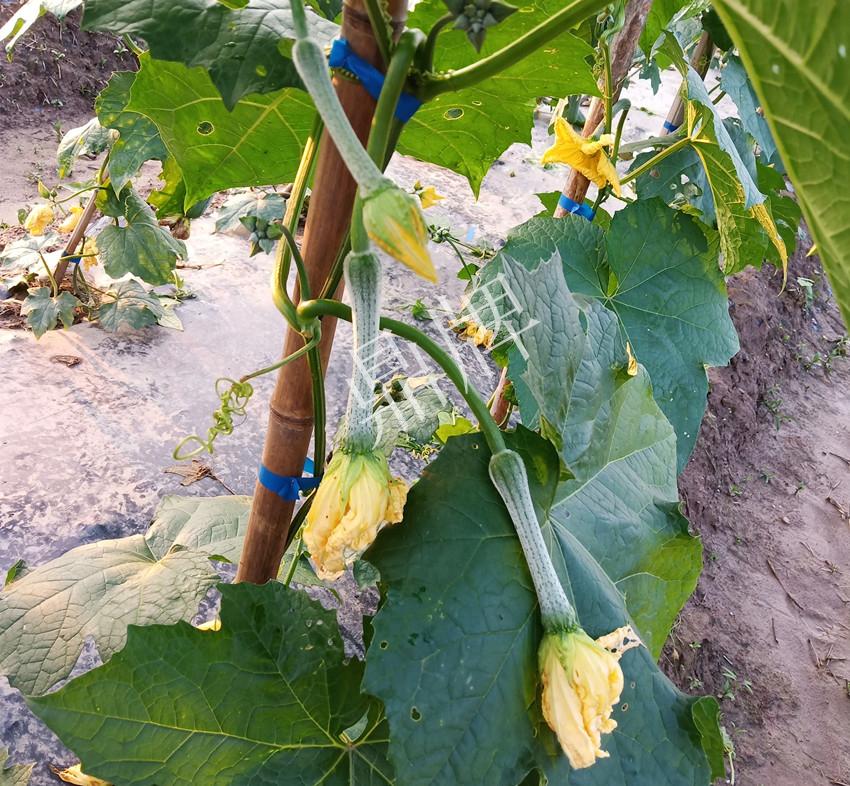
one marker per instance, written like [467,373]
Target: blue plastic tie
[571,206]
[670,127]
[343,56]
[75,260]
[287,486]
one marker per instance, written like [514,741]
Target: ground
[83,447]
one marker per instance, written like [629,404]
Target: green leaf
[90,139]
[621,498]
[170,198]
[654,269]
[796,57]
[267,700]
[257,204]
[128,303]
[454,651]
[139,140]
[736,83]
[661,13]
[742,239]
[237,46]
[43,311]
[467,130]
[27,15]
[98,589]
[258,143]
[141,247]
[27,251]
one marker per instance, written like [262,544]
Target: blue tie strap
[669,127]
[288,486]
[571,206]
[343,56]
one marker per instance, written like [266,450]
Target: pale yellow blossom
[69,223]
[582,681]
[39,218]
[355,500]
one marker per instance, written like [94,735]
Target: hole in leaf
[384,644]
[415,714]
[261,70]
[205,128]
[455,113]
[625,708]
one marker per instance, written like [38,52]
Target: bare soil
[56,70]
[768,491]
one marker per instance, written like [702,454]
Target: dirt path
[768,489]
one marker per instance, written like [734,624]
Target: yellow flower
[428,196]
[39,218]
[355,500]
[585,155]
[89,252]
[582,680]
[69,224]
[395,224]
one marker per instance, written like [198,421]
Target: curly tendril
[234,402]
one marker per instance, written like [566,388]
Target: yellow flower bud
[582,681]
[429,197]
[69,224]
[355,500]
[584,155]
[39,218]
[395,224]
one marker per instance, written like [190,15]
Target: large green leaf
[43,310]
[258,143]
[796,57]
[139,140]
[454,651]
[467,130]
[622,500]
[653,268]
[267,700]
[660,15]
[237,45]
[100,588]
[141,246]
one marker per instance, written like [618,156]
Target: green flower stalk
[392,219]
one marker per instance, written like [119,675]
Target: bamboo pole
[86,218]
[622,54]
[291,409]
[700,60]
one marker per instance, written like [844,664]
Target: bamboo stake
[622,54]
[291,407]
[700,60]
[76,236]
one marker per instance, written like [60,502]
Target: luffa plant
[530,576]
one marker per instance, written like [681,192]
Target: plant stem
[396,76]
[656,159]
[312,342]
[434,84]
[489,427]
[294,204]
[608,96]
[53,286]
[428,50]
[379,28]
